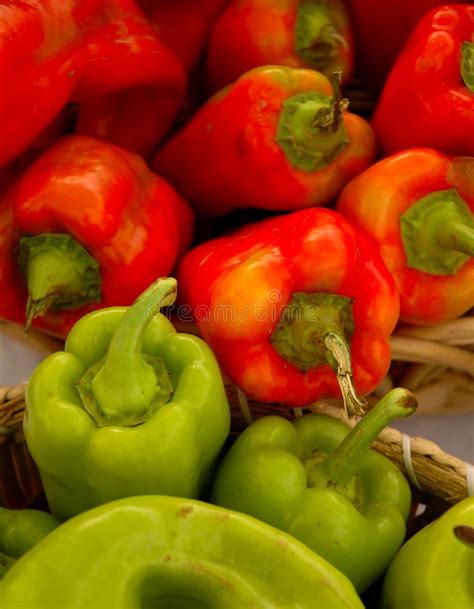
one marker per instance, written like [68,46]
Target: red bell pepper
[281,300]
[418,206]
[183,25]
[55,51]
[296,33]
[382,28]
[139,118]
[428,98]
[275,139]
[89,226]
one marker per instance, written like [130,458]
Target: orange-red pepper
[276,139]
[88,225]
[428,98]
[281,300]
[296,33]
[418,206]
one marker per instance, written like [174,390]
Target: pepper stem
[341,465]
[318,35]
[311,129]
[330,119]
[314,330]
[126,386]
[353,405]
[437,232]
[59,272]
[457,237]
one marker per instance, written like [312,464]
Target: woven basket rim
[427,466]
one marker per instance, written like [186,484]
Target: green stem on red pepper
[316,37]
[314,330]
[59,273]
[438,233]
[125,388]
[457,237]
[310,127]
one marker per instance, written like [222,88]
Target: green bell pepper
[317,479]
[131,407]
[167,552]
[20,530]
[434,569]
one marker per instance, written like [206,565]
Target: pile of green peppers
[150,509]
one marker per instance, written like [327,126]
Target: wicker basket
[20,484]
[430,470]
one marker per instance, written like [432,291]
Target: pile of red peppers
[152,121]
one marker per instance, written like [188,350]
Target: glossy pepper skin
[169,551]
[138,118]
[418,207]
[127,226]
[434,569]
[296,33]
[144,408]
[317,480]
[104,47]
[20,530]
[275,139]
[428,98]
[382,31]
[266,298]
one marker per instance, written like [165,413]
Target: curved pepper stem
[353,404]
[330,120]
[315,329]
[341,465]
[126,386]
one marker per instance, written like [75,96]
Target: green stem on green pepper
[126,384]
